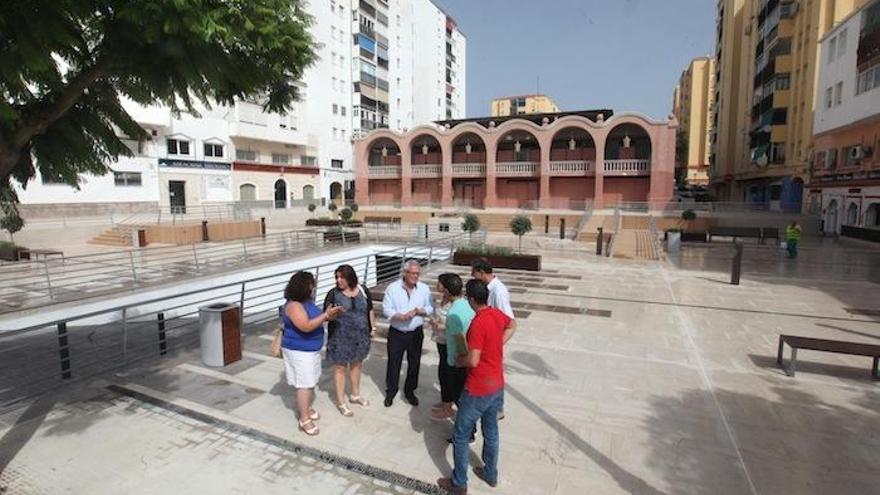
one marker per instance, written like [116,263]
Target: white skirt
[303,367]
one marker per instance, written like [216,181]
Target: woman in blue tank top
[301,344]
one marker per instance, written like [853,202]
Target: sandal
[313,415]
[344,410]
[308,428]
[357,399]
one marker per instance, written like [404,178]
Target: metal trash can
[220,334]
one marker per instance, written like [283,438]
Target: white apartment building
[381,63]
[845,182]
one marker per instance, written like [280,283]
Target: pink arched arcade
[549,160]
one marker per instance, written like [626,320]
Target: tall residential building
[845,183]
[766,96]
[522,105]
[692,102]
[379,65]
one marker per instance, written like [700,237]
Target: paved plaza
[624,377]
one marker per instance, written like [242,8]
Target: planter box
[317,222]
[350,237]
[513,261]
[14,254]
[693,237]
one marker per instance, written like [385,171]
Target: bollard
[204,231]
[163,343]
[64,350]
[546,224]
[599,241]
[736,269]
[562,228]
[263,226]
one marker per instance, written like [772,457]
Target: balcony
[627,167]
[251,122]
[427,171]
[465,170]
[572,168]
[517,169]
[383,172]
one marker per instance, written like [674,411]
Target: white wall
[843,68]
[98,189]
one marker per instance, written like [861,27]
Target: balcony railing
[627,167]
[572,168]
[384,171]
[518,169]
[431,170]
[468,169]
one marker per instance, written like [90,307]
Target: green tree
[688,216]
[345,214]
[312,207]
[354,207]
[68,65]
[520,225]
[332,207]
[11,224]
[471,224]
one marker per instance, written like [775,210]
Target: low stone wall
[192,233]
[62,210]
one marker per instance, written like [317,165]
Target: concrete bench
[825,345]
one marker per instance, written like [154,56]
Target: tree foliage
[345,214]
[470,225]
[68,66]
[520,225]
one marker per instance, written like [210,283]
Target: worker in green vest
[792,238]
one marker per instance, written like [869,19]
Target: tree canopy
[68,64]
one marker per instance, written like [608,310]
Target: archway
[572,167]
[872,216]
[426,149]
[627,166]
[247,192]
[852,214]
[517,170]
[383,152]
[308,192]
[831,217]
[336,191]
[280,194]
[469,170]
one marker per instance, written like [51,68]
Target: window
[215,150]
[819,162]
[841,43]
[868,79]
[832,49]
[838,93]
[308,160]
[280,159]
[783,81]
[127,178]
[336,163]
[334,84]
[177,147]
[335,109]
[333,58]
[828,98]
[247,192]
[342,110]
[335,133]
[831,159]
[342,134]
[246,155]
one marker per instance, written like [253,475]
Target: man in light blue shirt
[407,301]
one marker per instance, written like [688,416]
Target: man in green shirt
[792,238]
[458,316]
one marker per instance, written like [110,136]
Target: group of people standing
[470,325]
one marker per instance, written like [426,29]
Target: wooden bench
[825,345]
[759,233]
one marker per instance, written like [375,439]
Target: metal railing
[54,353]
[33,284]
[618,219]
[236,211]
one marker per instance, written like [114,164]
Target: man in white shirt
[407,301]
[499,298]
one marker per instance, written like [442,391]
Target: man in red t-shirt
[481,398]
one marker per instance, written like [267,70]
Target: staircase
[589,232]
[635,240]
[119,236]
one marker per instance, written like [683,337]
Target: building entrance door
[177,196]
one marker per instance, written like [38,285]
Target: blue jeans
[792,245]
[470,410]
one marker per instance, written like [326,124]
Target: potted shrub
[354,207]
[688,216]
[341,235]
[471,224]
[345,214]
[332,207]
[498,256]
[520,225]
[312,207]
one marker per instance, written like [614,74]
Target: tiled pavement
[624,377]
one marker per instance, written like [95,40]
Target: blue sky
[622,54]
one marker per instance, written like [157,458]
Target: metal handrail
[154,327]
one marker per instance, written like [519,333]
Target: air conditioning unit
[856,152]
